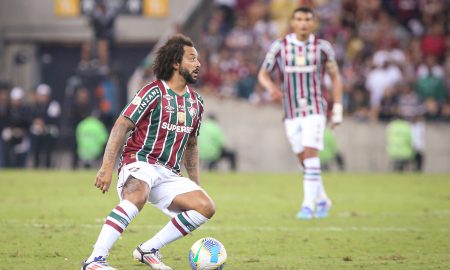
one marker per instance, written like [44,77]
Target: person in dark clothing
[15,131]
[80,110]
[44,128]
[4,111]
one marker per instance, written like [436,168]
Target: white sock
[115,224]
[322,195]
[178,226]
[311,181]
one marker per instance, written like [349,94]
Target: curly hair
[170,54]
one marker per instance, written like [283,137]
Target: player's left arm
[192,160]
[335,75]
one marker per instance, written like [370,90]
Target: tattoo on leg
[133,185]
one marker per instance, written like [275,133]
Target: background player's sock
[311,181]
[115,224]
[178,226]
[322,195]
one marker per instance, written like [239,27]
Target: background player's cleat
[305,213]
[322,209]
[99,263]
[151,258]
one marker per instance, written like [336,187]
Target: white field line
[97,226]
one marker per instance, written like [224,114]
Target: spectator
[91,136]
[44,128]
[379,80]
[409,105]
[79,111]
[330,152]
[15,132]
[246,85]
[399,144]
[4,111]
[212,147]
[102,21]
[432,89]
[418,141]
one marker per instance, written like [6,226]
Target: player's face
[190,65]
[302,23]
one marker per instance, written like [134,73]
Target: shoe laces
[156,253]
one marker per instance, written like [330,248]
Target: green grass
[50,220]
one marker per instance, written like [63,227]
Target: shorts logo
[134,169]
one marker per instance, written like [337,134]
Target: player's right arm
[269,64]
[115,142]
[267,82]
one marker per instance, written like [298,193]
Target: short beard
[187,76]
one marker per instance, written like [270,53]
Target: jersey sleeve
[270,61]
[328,51]
[196,130]
[142,104]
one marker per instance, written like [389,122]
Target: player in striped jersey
[301,60]
[164,119]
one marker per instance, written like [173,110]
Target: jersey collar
[169,90]
[292,38]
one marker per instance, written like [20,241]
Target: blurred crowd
[394,55]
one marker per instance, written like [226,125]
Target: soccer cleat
[151,258]
[322,209]
[99,263]
[305,213]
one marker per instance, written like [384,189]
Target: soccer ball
[207,254]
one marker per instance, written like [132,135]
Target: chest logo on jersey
[176,128]
[168,97]
[169,109]
[191,101]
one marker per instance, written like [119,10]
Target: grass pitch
[50,220]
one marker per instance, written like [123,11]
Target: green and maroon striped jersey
[164,122]
[301,67]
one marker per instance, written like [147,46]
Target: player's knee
[206,207]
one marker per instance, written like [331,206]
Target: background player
[164,118]
[301,58]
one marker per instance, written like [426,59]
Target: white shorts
[305,132]
[164,184]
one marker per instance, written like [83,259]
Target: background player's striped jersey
[301,67]
[164,122]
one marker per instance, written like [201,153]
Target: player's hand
[337,114]
[103,179]
[276,94]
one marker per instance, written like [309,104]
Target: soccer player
[164,119]
[301,59]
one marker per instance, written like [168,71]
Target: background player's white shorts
[164,184]
[305,132]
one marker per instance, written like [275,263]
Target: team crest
[136,101]
[181,117]
[192,111]
[191,101]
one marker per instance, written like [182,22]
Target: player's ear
[176,66]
